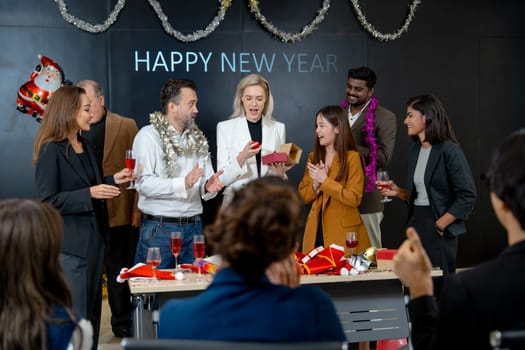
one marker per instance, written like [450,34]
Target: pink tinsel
[370,169]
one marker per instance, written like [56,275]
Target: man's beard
[189,124]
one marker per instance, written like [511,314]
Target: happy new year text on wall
[243,62]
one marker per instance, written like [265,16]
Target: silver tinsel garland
[290,37]
[254,8]
[378,35]
[197,144]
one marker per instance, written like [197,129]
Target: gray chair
[178,344]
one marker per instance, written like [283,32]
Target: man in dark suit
[111,135]
[488,297]
[364,111]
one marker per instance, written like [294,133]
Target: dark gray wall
[469,53]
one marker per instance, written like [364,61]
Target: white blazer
[232,136]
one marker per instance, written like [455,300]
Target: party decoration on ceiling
[33,95]
[254,8]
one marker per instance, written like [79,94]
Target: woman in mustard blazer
[333,184]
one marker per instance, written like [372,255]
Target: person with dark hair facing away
[484,298]
[374,130]
[36,304]
[255,294]
[441,192]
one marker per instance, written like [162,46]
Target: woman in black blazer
[68,177]
[440,189]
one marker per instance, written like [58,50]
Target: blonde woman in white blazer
[248,134]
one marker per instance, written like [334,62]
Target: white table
[371,305]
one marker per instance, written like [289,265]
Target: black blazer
[473,303]
[449,183]
[62,181]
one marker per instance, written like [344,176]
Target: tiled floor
[106,339]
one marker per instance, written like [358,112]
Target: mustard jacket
[338,202]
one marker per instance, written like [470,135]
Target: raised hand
[214,184]
[193,176]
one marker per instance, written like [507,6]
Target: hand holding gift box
[289,153]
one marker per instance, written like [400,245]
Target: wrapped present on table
[322,260]
[143,270]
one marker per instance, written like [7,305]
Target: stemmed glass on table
[176,246]
[383,183]
[351,242]
[198,251]
[130,164]
[153,259]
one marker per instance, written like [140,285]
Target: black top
[96,136]
[256,135]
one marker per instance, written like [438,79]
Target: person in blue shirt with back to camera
[255,295]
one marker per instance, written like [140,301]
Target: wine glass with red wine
[153,259]
[383,183]
[198,251]
[351,242]
[130,164]
[176,246]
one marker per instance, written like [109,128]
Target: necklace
[370,169]
[196,143]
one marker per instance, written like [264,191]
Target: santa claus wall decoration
[33,96]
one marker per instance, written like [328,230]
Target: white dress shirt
[162,195]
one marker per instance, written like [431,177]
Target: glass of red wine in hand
[130,164]
[176,246]
[198,251]
[383,183]
[153,259]
[351,242]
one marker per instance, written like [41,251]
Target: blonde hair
[250,80]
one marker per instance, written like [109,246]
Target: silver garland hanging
[254,8]
[378,35]
[88,27]
[197,35]
[290,37]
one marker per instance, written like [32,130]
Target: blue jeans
[156,234]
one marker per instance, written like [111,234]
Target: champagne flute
[176,246]
[351,242]
[383,183]
[130,164]
[198,251]
[153,259]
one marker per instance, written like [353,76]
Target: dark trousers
[442,250]
[119,253]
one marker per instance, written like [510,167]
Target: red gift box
[143,270]
[275,157]
[384,258]
[324,261]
